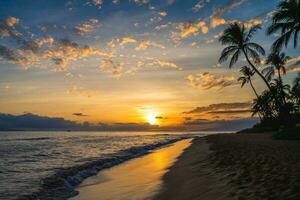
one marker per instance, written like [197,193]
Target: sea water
[48,165]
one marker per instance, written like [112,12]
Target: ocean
[48,165]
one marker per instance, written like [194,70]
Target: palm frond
[257,47]
[226,53]
[252,31]
[234,58]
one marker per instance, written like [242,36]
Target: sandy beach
[235,166]
[192,176]
[136,179]
[215,167]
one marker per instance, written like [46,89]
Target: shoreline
[62,184]
[139,178]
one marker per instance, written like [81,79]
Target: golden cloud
[214,22]
[111,67]
[12,21]
[188,28]
[252,22]
[126,40]
[86,27]
[145,44]
[208,80]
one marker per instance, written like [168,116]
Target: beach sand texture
[235,166]
[192,177]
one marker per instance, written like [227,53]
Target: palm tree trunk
[281,83]
[256,96]
[279,75]
[256,70]
[253,88]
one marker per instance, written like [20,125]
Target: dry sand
[235,166]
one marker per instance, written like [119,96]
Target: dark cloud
[220,106]
[79,114]
[32,122]
[230,111]
[161,117]
[6,53]
[220,125]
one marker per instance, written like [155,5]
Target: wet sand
[215,167]
[192,177]
[136,179]
[236,167]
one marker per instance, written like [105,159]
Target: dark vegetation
[278,106]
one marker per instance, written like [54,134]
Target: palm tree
[295,93]
[287,20]
[246,78]
[264,106]
[277,62]
[238,41]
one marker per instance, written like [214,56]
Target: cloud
[86,27]
[163,13]
[252,22]
[188,28]
[161,117]
[162,63]
[97,3]
[78,114]
[33,122]
[65,51]
[6,53]
[126,40]
[230,111]
[199,5]
[220,125]
[294,64]
[81,92]
[214,22]
[45,41]
[161,27]
[208,80]
[228,6]
[111,67]
[12,21]
[220,107]
[147,43]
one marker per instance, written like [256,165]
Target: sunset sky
[126,61]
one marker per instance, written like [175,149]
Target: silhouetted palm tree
[287,20]
[238,41]
[246,78]
[264,106]
[295,93]
[277,62]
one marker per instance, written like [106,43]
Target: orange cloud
[12,21]
[208,80]
[214,22]
[126,40]
[145,44]
[188,28]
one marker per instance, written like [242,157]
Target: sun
[151,118]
